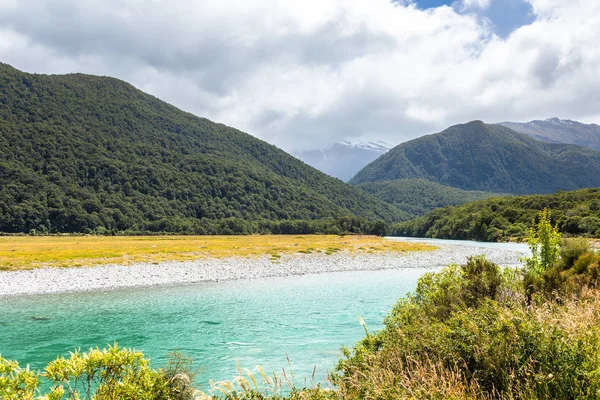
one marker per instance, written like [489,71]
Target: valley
[125,221]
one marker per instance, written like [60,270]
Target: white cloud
[306,73]
[475,4]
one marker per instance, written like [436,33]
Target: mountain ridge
[80,152]
[556,130]
[490,158]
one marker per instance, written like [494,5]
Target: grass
[28,252]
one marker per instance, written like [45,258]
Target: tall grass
[26,252]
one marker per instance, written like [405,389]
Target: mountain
[86,153]
[419,196]
[344,159]
[555,130]
[490,158]
[576,213]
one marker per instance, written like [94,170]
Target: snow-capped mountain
[378,145]
[344,159]
[556,130]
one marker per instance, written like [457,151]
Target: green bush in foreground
[448,341]
[108,374]
[476,331]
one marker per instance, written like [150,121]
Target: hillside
[344,159]
[555,130]
[491,158]
[81,153]
[419,196]
[576,213]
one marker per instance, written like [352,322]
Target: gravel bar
[106,277]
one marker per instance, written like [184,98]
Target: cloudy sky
[303,74]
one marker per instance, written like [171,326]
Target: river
[254,322]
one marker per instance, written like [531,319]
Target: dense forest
[419,196]
[82,153]
[576,213]
[490,158]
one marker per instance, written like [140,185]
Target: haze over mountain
[344,159]
[81,152]
[478,156]
[556,130]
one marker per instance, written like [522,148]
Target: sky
[303,74]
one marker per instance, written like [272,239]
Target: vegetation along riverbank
[468,332]
[576,213]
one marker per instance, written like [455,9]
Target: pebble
[106,277]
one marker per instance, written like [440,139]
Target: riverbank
[111,276]
[29,252]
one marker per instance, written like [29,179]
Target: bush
[468,332]
[108,374]
[571,250]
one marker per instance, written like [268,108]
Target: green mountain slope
[81,152]
[419,196]
[491,158]
[576,213]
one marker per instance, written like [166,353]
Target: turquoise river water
[258,322]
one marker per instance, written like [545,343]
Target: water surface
[521,247]
[307,318]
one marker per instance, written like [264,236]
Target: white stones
[54,280]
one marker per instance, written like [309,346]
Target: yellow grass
[26,252]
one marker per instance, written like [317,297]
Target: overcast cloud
[303,74]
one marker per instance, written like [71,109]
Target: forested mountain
[555,130]
[344,159]
[419,196]
[85,153]
[491,158]
[576,213]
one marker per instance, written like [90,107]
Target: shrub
[468,332]
[108,374]
[571,250]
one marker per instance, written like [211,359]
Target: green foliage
[468,332]
[109,374]
[578,266]
[91,154]
[490,158]
[507,218]
[571,250]
[16,382]
[419,196]
[544,244]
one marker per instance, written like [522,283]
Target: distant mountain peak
[557,130]
[487,157]
[344,159]
[377,145]
[555,120]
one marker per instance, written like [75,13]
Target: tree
[544,242]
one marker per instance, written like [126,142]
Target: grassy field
[27,252]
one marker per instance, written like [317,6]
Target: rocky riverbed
[106,277]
